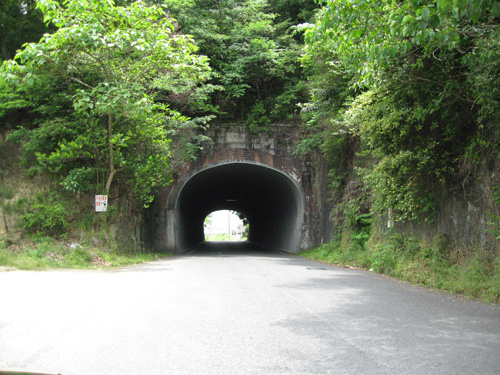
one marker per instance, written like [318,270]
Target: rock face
[282,194]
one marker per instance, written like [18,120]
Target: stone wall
[273,148]
[463,222]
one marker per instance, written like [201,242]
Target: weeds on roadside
[46,252]
[474,276]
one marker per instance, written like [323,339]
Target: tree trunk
[6,226]
[5,220]
[220,15]
[112,170]
[3,46]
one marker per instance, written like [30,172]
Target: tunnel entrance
[271,201]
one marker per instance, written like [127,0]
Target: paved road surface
[226,311]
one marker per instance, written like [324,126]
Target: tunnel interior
[269,199]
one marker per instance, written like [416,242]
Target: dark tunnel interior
[269,199]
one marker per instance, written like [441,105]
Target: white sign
[101,203]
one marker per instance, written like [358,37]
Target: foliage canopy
[112,72]
[415,84]
[254,53]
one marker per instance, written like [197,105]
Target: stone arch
[272,198]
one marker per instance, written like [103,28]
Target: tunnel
[270,199]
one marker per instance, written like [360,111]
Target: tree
[117,67]
[293,11]
[20,22]
[253,53]
[425,94]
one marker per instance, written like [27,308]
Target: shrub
[79,256]
[47,216]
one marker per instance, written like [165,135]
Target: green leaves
[424,80]
[254,56]
[11,100]
[46,214]
[114,64]
[424,14]
[369,34]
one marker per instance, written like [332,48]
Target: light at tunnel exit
[224,225]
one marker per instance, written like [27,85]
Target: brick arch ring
[289,240]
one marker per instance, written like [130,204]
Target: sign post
[101,203]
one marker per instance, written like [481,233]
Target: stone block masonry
[292,186]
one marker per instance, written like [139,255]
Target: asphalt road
[222,310]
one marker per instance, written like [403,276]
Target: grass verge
[42,253]
[470,274]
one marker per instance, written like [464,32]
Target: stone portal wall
[273,148]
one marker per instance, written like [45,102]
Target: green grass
[47,253]
[221,237]
[473,275]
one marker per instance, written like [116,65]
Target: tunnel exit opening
[270,199]
[226,225]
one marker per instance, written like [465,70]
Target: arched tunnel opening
[271,201]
